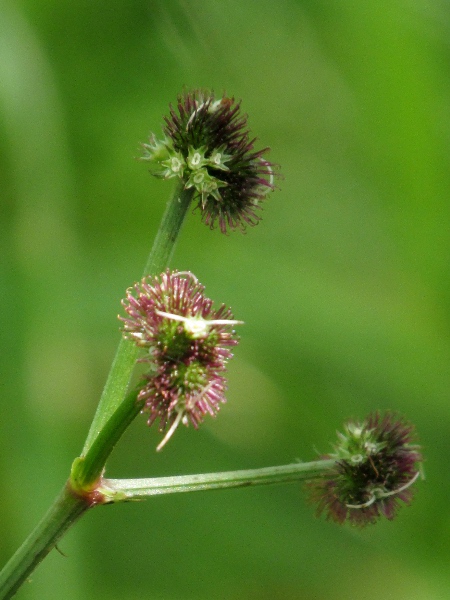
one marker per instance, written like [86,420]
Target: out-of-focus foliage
[344,286]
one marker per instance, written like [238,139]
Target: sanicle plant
[170,326]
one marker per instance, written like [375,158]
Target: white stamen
[378,493]
[188,273]
[271,174]
[197,326]
[365,505]
[192,117]
[402,488]
[211,108]
[170,432]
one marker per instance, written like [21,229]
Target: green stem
[127,353]
[86,470]
[115,412]
[121,490]
[66,509]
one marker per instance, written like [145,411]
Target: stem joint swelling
[85,492]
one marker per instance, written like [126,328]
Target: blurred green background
[344,286]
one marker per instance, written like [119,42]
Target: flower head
[214,155]
[187,347]
[376,465]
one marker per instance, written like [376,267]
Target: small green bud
[157,150]
[196,158]
[173,166]
[205,184]
[218,159]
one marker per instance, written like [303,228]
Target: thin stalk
[66,509]
[121,490]
[87,469]
[127,352]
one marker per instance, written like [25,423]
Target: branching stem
[114,413]
[120,490]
